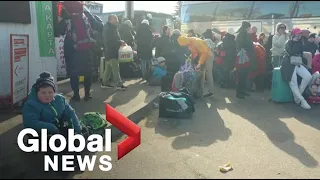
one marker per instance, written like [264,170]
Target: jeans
[111,66]
[242,80]
[295,88]
[74,81]
[276,61]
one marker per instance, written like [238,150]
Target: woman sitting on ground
[46,110]
[290,69]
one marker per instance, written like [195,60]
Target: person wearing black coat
[179,53]
[244,41]
[112,43]
[163,44]
[310,45]
[290,72]
[144,39]
[97,27]
[78,63]
[229,46]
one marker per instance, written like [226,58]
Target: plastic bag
[243,58]
[125,54]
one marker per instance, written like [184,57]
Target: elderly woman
[144,45]
[292,68]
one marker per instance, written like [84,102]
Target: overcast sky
[155,6]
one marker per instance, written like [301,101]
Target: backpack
[95,122]
[79,28]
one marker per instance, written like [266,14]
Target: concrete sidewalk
[261,139]
[134,103]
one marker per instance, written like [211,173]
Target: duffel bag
[179,105]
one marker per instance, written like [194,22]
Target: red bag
[316,63]
[313,100]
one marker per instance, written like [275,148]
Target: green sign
[45,28]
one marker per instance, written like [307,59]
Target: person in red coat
[257,75]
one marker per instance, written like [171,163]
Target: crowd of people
[242,59]
[246,59]
[230,58]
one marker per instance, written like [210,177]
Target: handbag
[296,60]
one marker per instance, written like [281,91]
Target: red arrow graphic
[126,126]
[15,71]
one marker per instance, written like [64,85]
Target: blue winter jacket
[159,72]
[37,115]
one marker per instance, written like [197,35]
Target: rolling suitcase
[280,91]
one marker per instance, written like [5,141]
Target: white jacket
[278,44]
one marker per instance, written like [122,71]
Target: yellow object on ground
[225,168]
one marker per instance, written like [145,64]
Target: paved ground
[261,139]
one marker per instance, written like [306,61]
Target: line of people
[246,55]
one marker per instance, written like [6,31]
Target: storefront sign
[45,28]
[19,61]
[61,66]
[95,8]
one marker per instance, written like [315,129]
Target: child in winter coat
[46,110]
[159,71]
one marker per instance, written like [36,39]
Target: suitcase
[101,68]
[280,91]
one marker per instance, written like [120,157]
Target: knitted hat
[296,31]
[45,78]
[161,59]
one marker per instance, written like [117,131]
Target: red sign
[19,63]
[126,126]
[18,41]
[18,53]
